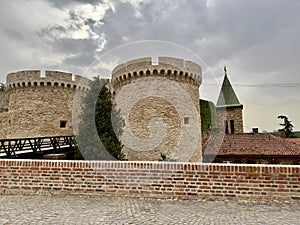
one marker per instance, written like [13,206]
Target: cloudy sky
[258,41]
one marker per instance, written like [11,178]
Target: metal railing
[12,147]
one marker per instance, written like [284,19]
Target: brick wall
[151,179]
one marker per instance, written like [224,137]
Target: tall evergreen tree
[100,125]
[288,126]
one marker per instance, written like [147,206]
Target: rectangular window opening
[226,126]
[186,120]
[232,126]
[63,124]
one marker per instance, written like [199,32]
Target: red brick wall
[151,179]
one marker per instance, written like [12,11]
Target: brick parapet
[151,179]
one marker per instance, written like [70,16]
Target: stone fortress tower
[39,106]
[158,100]
[229,109]
[160,104]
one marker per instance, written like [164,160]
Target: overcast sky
[258,41]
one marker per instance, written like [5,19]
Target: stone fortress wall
[168,91]
[159,101]
[40,105]
[3,101]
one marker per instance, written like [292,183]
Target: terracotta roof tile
[250,144]
[295,140]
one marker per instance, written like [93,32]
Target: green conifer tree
[100,125]
[287,126]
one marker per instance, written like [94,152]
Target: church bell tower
[229,109]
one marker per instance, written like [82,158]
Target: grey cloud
[74,46]
[65,3]
[83,60]
[13,34]
[52,33]
[229,28]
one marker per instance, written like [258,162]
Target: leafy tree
[208,116]
[288,126]
[2,87]
[100,125]
[165,158]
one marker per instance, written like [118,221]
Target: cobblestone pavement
[25,209]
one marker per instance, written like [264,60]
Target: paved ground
[22,209]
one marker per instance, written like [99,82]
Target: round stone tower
[159,102]
[41,105]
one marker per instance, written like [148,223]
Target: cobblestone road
[24,209]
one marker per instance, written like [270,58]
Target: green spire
[227,97]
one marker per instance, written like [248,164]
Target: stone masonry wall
[3,101]
[155,100]
[232,113]
[4,117]
[38,104]
[151,179]
[3,113]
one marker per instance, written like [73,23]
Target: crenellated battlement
[40,103]
[173,68]
[36,78]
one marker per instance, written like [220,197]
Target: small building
[251,148]
[229,109]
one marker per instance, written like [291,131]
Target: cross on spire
[225,70]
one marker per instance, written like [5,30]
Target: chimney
[255,130]
[281,133]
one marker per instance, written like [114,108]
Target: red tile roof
[250,144]
[295,140]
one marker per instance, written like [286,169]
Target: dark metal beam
[12,147]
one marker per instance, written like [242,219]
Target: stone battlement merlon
[28,78]
[179,68]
